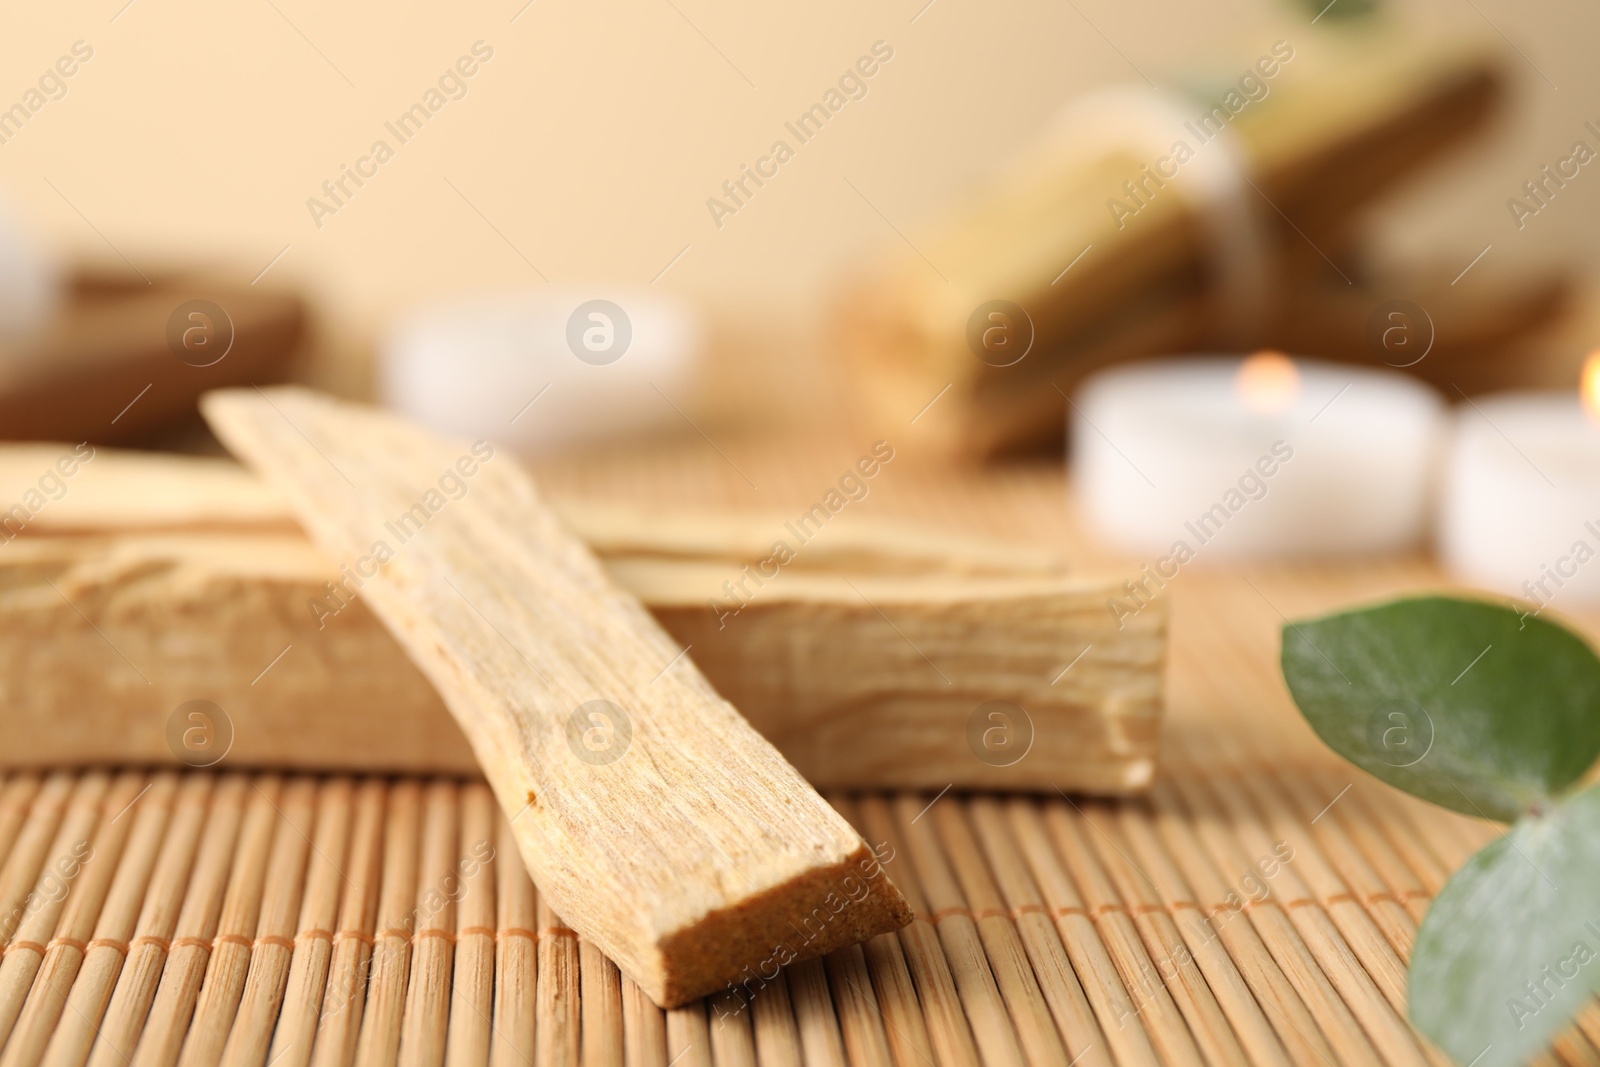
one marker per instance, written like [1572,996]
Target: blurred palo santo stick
[866,661]
[1156,223]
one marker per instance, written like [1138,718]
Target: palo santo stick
[863,677]
[66,489]
[1368,108]
[692,854]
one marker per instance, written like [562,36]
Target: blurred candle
[1223,458]
[545,369]
[1521,509]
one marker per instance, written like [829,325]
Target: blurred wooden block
[868,660]
[1343,122]
[109,368]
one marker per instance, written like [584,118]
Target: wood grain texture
[863,660]
[692,854]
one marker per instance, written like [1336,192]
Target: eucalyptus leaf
[1470,705]
[1510,949]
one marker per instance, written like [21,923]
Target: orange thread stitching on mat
[434,931]
[273,939]
[393,931]
[516,931]
[150,939]
[31,946]
[121,947]
[69,942]
[1028,909]
[559,931]
[474,931]
[945,913]
[353,935]
[1069,909]
[197,942]
[231,939]
[314,935]
[991,913]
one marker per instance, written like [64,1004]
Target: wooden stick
[85,893]
[904,335]
[31,851]
[557,1010]
[191,870]
[1370,890]
[338,1024]
[201,1010]
[1377,1006]
[141,873]
[992,1028]
[864,660]
[1298,959]
[472,987]
[16,797]
[1119,1018]
[1152,1000]
[427,1005]
[1235,963]
[820,1041]
[1085,1041]
[272,951]
[893,990]
[860,1018]
[642,850]
[731,1041]
[688,1036]
[1008,960]
[70,855]
[772,1023]
[339,806]
[644,1028]
[161,1038]
[379,1043]
[600,1003]
[516,954]
[949,1031]
[1376,848]
[1197,1000]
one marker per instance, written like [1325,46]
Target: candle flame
[1268,383]
[1589,387]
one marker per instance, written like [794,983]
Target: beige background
[593,138]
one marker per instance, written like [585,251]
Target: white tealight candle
[1223,458]
[1521,509]
[545,369]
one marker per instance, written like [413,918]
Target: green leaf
[1467,704]
[1511,947]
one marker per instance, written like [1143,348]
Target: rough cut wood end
[654,818]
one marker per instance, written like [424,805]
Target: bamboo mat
[1258,906]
